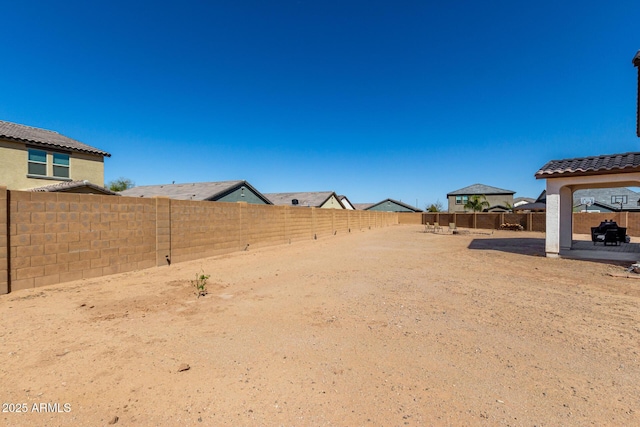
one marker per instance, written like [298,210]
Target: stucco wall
[242,196]
[332,203]
[14,167]
[493,199]
[58,237]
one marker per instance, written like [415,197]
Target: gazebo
[568,175]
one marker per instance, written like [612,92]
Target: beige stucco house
[32,157]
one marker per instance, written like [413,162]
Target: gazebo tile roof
[625,162]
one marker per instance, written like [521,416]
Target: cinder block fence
[48,238]
[536,221]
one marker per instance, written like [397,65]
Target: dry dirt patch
[385,327]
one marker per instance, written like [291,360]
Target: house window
[42,164]
[60,165]
[37,162]
[462,200]
[618,199]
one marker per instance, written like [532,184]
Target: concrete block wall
[514,218]
[409,218]
[59,237]
[341,221]
[4,247]
[202,229]
[538,221]
[48,238]
[492,221]
[265,226]
[533,221]
[582,222]
[465,220]
[631,221]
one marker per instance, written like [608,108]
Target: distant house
[317,199]
[81,187]
[539,205]
[390,205]
[619,199]
[362,206]
[497,197]
[346,203]
[33,157]
[224,191]
[518,201]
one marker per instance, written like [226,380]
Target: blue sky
[371,99]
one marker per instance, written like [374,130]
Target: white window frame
[50,164]
[35,162]
[58,165]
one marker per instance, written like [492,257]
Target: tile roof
[70,185]
[397,202]
[362,206]
[190,191]
[309,198]
[596,165]
[478,189]
[46,138]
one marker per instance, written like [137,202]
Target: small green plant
[200,283]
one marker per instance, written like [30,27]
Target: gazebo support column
[559,219]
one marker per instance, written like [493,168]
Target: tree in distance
[435,207]
[121,184]
[477,203]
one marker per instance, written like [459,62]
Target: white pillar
[559,232]
[552,239]
[566,218]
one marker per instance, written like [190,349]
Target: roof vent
[294,202]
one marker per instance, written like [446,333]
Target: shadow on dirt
[523,246]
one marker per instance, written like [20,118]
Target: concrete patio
[585,249]
[582,247]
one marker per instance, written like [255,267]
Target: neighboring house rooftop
[396,202]
[191,191]
[44,138]
[594,165]
[74,186]
[308,198]
[362,206]
[609,198]
[534,207]
[539,205]
[522,200]
[479,189]
[346,202]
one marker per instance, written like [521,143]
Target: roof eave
[547,175]
[55,146]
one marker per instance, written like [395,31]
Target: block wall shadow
[523,246]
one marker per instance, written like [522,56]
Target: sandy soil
[387,327]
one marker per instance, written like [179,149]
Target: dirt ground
[387,327]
